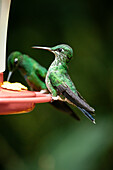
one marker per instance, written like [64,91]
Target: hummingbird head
[63,52]
[13,62]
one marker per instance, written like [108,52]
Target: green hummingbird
[34,75]
[59,82]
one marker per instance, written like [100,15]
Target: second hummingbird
[59,82]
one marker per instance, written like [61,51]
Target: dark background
[47,139]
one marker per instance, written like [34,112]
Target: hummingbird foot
[57,98]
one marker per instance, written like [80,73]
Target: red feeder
[12,102]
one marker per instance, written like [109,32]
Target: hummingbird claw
[55,98]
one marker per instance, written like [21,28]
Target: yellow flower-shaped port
[13,86]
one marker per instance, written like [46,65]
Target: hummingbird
[59,82]
[35,75]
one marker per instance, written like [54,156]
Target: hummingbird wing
[64,89]
[40,72]
[36,79]
[64,85]
[72,97]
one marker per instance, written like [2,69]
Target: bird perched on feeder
[59,82]
[35,75]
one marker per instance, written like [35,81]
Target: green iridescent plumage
[59,82]
[29,68]
[35,75]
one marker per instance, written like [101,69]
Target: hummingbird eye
[59,49]
[16,61]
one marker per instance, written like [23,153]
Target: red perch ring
[14,102]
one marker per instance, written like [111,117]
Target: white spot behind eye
[62,50]
[16,59]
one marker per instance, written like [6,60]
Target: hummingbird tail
[87,114]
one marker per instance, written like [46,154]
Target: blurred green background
[47,139]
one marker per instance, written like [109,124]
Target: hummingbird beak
[9,75]
[43,48]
